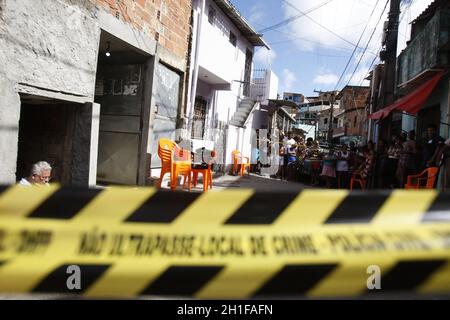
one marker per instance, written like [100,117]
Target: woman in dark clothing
[381,164]
[394,153]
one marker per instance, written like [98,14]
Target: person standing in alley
[329,168]
[289,152]
[342,166]
[407,162]
[394,152]
[433,141]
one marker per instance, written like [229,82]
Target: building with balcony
[427,55]
[221,103]
[298,98]
[422,78]
[316,112]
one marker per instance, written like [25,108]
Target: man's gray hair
[39,167]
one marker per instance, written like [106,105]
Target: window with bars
[199,118]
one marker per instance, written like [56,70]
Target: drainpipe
[194,74]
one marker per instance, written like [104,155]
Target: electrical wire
[287,21]
[368,42]
[357,44]
[319,24]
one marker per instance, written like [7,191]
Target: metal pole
[330,125]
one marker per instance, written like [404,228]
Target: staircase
[243,112]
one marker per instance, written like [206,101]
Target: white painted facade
[264,86]
[217,78]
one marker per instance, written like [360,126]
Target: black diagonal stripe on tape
[60,279]
[408,275]
[3,188]
[358,208]
[182,280]
[439,210]
[295,280]
[262,208]
[163,207]
[64,204]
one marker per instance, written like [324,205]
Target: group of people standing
[291,149]
[402,157]
[339,164]
[385,166]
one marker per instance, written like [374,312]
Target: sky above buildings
[311,52]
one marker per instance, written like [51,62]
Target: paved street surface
[256,182]
[252,181]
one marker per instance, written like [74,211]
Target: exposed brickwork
[354,100]
[169,18]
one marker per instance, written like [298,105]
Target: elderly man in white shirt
[40,175]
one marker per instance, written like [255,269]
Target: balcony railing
[428,50]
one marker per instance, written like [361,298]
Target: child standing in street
[342,167]
[329,171]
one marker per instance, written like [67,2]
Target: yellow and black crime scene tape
[230,244]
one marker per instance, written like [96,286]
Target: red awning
[412,102]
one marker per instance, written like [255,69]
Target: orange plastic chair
[417,181]
[357,178]
[207,175]
[240,160]
[175,161]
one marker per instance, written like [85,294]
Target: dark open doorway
[47,132]
[121,92]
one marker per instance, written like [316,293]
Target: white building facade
[220,105]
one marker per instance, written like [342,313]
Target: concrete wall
[85,145]
[50,44]
[272,88]
[265,87]
[9,130]
[49,48]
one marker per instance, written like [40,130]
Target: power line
[312,41]
[357,44]
[287,21]
[368,42]
[309,40]
[371,65]
[319,24]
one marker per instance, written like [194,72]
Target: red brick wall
[354,101]
[172,28]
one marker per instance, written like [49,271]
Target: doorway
[120,90]
[46,133]
[425,117]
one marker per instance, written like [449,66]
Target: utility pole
[331,119]
[389,55]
